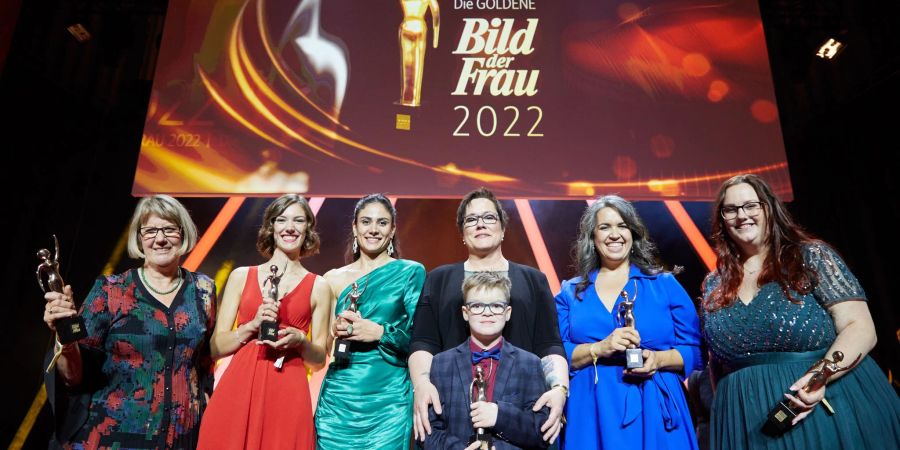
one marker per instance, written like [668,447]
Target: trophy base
[268,331]
[70,329]
[485,441]
[780,418]
[341,355]
[634,358]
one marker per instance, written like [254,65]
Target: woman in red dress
[262,401]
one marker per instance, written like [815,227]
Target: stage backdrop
[430,98]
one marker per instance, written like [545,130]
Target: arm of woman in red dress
[313,350]
[225,340]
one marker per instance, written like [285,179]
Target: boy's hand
[476,445]
[484,414]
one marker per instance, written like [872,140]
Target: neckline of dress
[291,292]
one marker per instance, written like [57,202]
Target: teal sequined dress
[368,404]
[768,344]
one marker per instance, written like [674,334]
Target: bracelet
[237,335]
[593,353]
[564,388]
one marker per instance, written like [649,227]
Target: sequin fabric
[771,322]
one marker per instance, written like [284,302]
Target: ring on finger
[350,330]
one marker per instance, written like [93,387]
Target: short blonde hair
[166,208]
[486,280]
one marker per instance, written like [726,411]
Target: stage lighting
[80,33]
[830,49]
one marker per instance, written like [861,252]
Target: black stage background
[73,115]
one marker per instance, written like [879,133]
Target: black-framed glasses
[730,212]
[487,219]
[152,232]
[479,308]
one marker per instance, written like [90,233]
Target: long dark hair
[351,255]
[784,238]
[643,250]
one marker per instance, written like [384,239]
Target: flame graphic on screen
[253,102]
[326,54]
[696,186]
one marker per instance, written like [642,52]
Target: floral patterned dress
[147,366]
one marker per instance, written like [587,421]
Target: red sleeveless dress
[255,405]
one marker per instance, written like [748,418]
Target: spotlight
[830,49]
[80,33]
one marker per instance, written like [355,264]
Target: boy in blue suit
[514,378]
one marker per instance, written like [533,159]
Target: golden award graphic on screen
[431,98]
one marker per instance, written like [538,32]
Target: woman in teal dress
[778,302]
[367,402]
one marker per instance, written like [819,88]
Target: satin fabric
[368,403]
[616,411]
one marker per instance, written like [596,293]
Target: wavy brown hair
[265,240]
[784,238]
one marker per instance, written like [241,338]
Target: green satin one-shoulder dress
[368,403]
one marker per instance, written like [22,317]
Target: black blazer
[518,385]
[439,325]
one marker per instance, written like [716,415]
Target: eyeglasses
[488,219]
[730,212]
[478,308]
[152,232]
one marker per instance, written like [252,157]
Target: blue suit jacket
[518,385]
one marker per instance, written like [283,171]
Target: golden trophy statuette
[413,36]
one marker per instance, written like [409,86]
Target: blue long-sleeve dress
[616,412]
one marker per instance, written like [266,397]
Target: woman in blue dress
[778,302]
[612,407]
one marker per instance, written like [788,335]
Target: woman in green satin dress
[367,403]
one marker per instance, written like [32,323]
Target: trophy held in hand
[781,417]
[478,390]
[342,346]
[634,356]
[268,329]
[68,329]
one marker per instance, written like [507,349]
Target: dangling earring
[355,246]
[390,248]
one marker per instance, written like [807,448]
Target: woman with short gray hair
[142,376]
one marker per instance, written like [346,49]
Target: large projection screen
[541,99]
